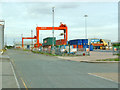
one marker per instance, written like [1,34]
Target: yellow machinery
[105,44]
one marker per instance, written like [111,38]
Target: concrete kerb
[101,61]
[88,61]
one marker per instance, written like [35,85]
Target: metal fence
[62,51]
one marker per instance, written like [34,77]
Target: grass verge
[49,54]
[111,59]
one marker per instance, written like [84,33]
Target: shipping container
[85,46]
[75,42]
[61,42]
[74,46]
[84,41]
[28,46]
[91,47]
[79,46]
[49,41]
[78,42]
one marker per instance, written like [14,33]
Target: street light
[2,32]
[85,26]
[21,38]
[32,36]
[53,25]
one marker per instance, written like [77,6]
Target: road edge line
[103,78]
[18,85]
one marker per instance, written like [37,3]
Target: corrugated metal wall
[1,36]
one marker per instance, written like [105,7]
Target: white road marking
[15,76]
[102,77]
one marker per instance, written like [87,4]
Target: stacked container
[75,42]
[61,42]
[85,46]
[85,41]
[79,43]
[91,47]
[49,41]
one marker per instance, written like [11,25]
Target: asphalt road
[41,71]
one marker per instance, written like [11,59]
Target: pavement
[94,55]
[7,75]
[41,71]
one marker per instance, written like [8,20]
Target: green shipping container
[49,41]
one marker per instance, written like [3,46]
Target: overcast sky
[21,18]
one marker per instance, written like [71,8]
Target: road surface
[41,71]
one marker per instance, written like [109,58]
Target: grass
[49,54]
[112,59]
[26,50]
[21,49]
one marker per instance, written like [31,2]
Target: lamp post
[2,27]
[85,26]
[32,39]
[53,25]
[21,41]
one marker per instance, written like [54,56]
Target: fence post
[69,49]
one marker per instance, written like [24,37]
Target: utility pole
[85,26]
[53,25]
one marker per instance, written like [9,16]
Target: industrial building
[1,36]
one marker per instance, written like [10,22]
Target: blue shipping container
[28,46]
[85,41]
[79,42]
[91,47]
[85,46]
[75,42]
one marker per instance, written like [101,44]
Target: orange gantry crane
[27,38]
[37,44]
[61,27]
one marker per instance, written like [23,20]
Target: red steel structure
[61,27]
[27,38]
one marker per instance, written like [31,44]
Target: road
[41,71]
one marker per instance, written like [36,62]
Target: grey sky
[22,17]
